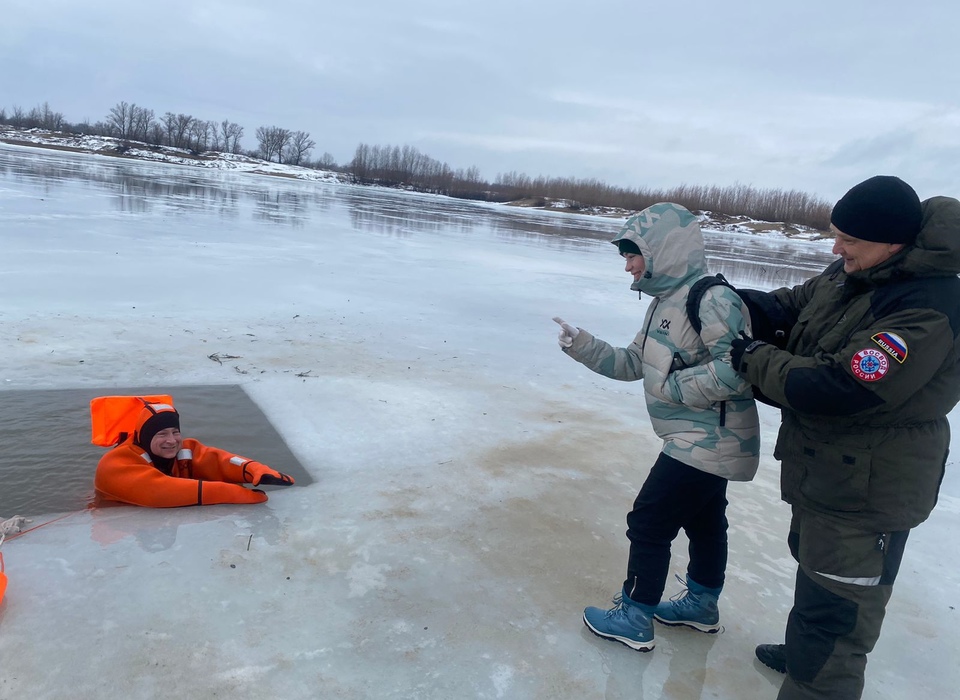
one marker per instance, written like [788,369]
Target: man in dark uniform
[870,371]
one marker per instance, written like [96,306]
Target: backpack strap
[771,322]
[695,296]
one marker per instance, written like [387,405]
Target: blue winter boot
[627,622]
[695,607]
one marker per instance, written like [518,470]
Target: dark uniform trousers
[844,581]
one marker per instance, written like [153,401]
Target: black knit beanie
[627,246]
[884,209]
[154,424]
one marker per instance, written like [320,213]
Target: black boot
[773,656]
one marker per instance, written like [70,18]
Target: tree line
[395,166]
[788,206]
[132,122]
[405,166]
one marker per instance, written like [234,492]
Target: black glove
[744,345]
[282,480]
[260,474]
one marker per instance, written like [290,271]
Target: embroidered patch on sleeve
[893,344]
[869,365]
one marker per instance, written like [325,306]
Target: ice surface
[470,481]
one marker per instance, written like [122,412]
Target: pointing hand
[567,334]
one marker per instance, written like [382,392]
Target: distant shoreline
[118,148]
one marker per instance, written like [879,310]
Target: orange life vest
[114,418]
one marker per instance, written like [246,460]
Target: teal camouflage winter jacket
[701,408]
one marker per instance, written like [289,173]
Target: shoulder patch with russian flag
[893,345]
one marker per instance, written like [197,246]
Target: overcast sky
[814,95]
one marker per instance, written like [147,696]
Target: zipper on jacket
[723,413]
[646,331]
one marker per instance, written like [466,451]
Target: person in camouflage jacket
[701,408]
[870,371]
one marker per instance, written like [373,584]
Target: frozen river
[465,484]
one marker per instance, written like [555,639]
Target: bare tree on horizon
[230,135]
[299,147]
[128,121]
[177,127]
[272,141]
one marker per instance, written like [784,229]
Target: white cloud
[631,94]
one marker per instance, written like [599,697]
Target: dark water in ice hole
[47,461]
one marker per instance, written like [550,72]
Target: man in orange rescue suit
[157,468]
[870,371]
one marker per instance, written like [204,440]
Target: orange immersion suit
[198,475]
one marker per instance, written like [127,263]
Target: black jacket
[870,371]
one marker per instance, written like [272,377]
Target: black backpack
[770,320]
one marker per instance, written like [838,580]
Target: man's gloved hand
[567,334]
[739,347]
[262,475]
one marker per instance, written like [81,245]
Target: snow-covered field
[470,482]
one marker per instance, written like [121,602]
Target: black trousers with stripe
[844,582]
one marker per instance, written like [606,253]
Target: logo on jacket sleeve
[895,346]
[869,364]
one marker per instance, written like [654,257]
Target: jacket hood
[936,252]
[671,244]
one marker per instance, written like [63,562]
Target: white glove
[567,334]
[14,524]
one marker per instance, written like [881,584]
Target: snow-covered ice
[470,482]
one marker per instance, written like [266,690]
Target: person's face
[634,265]
[166,443]
[859,254]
